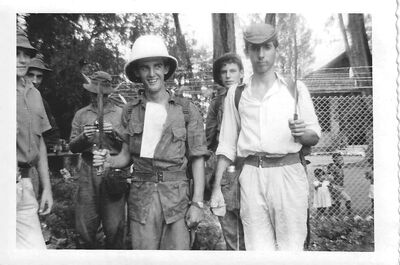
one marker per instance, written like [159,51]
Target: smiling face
[151,72]
[23,59]
[230,74]
[262,56]
[36,76]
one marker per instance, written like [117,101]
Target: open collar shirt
[262,125]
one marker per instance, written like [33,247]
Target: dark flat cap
[259,33]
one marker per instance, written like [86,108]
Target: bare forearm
[222,164]
[121,160]
[198,178]
[43,168]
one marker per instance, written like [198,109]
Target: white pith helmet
[149,46]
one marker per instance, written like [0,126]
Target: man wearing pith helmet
[31,153]
[261,130]
[161,134]
[101,197]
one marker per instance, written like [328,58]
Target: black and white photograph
[222,137]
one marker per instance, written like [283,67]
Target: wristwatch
[199,205]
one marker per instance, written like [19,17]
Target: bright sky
[329,43]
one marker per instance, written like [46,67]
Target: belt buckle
[159,176]
[260,160]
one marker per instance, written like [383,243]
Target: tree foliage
[285,60]
[69,40]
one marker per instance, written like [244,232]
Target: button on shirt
[262,126]
[32,121]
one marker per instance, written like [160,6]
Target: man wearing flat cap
[262,131]
[32,121]
[227,71]
[161,134]
[95,203]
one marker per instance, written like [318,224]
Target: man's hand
[89,131]
[46,202]
[297,127]
[194,216]
[100,157]
[107,127]
[217,202]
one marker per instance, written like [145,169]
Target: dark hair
[225,59]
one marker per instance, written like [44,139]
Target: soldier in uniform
[101,195]
[161,134]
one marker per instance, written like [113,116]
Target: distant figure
[322,195]
[338,182]
[369,175]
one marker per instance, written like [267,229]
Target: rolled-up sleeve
[306,109]
[230,128]
[196,137]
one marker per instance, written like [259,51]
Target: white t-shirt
[154,119]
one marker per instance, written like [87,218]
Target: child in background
[322,196]
[369,175]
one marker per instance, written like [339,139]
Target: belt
[267,161]
[23,173]
[159,176]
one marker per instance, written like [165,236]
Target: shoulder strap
[184,103]
[238,94]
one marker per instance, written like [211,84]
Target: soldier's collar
[141,99]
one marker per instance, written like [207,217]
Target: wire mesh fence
[341,168]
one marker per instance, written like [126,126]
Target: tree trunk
[180,40]
[223,34]
[270,18]
[358,52]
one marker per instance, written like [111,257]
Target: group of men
[250,127]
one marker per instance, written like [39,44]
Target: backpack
[305,149]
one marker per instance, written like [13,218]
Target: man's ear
[136,73]
[166,68]
[241,74]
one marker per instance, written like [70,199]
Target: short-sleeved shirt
[177,142]
[87,116]
[80,144]
[32,121]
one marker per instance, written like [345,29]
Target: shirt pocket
[135,137]
[178,134]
